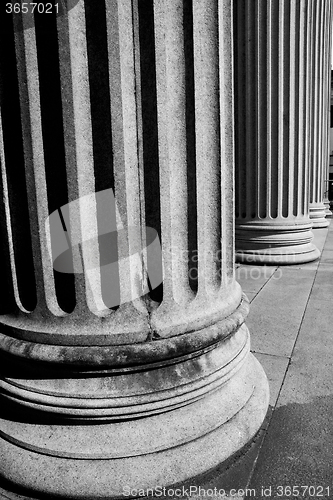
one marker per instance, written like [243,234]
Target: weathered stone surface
[125,113]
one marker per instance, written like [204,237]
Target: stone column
[327,100]
[273,82]
[111,381]
[319,155]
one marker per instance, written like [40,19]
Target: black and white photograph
[166,249]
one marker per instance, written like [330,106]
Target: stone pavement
[291,325]
[291,322]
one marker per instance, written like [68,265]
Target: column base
[161,425]
[327,207]
[317,215]
[114,478]
[268,244]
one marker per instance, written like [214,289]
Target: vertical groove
[98,68]
[79,159]
[240,89]
[132,146]
[302,76]
[53,139]
[293,59]
[171,102]
[281,96]
[206,84]
[149,124]
[250,90]
[71,138]
[11,296]
[269,137]
[227,112]
[262,120]
[274,106]
[26,51]
[16,241]
[257,100]
[307,168]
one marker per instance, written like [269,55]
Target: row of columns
[125,358]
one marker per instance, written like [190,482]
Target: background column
[273,81]
[125,360]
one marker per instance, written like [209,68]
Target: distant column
[320,102]
[273,103]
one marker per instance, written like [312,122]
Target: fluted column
[273,81]
[125,363]
[319,156]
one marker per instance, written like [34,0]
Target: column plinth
[273,79]
[125,359]
[265,242]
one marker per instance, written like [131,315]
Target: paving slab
[297,452]
[253,278]
[297,449]
[275,368]
[323,284]
[251,295]
[276,312]
[310,373]
[327,256]
[319,237]
[320,240]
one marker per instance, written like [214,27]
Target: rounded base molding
[286,256]
[327,207]
[105,479]
[320,223]
[317,215]
[107,459]
[275,244]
